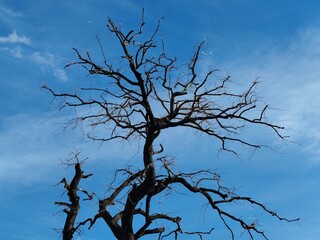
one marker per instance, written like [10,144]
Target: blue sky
[277,41]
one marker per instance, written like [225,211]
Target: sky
[275,41]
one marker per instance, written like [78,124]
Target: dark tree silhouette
[142,94]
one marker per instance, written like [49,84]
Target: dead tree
[142,94]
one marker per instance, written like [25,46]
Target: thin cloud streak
[15,38]
[9,16]
[16,52]
[49,62]
[5,11]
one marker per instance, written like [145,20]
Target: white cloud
[17,52]
[298,74]
[15,38]
[290,81]
[50,63]
[43,59]
[60,74]
[47,61]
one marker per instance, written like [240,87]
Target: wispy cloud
[8,12]
[50,63]
[47,61]
[15,38]
[31,147]
[16,52]
[291,82]
[13,44]
[298,82]
[9,16]
[27,149]
[60,74]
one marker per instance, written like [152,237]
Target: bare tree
[142,94]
